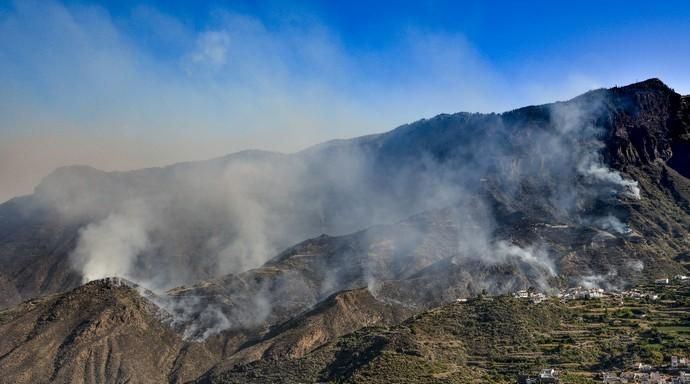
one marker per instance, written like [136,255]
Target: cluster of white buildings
[575,293]
[534,297]
[636,294]
[546,376]
[645,378]
[580,293]
[667,281]
[643,374]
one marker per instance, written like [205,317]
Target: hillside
[112,331]
[593,191]
[493,339]
[573,163]
[104,331]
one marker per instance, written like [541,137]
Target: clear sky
[124,84]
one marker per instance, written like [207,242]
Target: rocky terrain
[593,191]
[111,331]
[104,331]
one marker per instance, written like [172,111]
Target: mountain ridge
[585,192]
[622,150]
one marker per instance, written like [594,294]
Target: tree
[656,357]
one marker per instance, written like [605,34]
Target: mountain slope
[592,191]
[101,332]
[111,331]
[436,346]
[492,340]
[194,221]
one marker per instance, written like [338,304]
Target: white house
[548,375]
[521,294]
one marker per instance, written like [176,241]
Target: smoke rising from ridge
[110,247]
[165,227]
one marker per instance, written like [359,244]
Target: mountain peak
[652,84]
[112,282]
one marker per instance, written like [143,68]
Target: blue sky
[510,35]
[126,84]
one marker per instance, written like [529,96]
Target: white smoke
[635,265]
[199,221]
[575,121]
[198,317]
[210,320]
[110,247]
[598,171]
[607,281]
[531,255]
[612,223]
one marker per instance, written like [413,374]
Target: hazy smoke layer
[165,227]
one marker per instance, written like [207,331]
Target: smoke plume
[178,225]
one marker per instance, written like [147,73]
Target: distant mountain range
[593,191]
